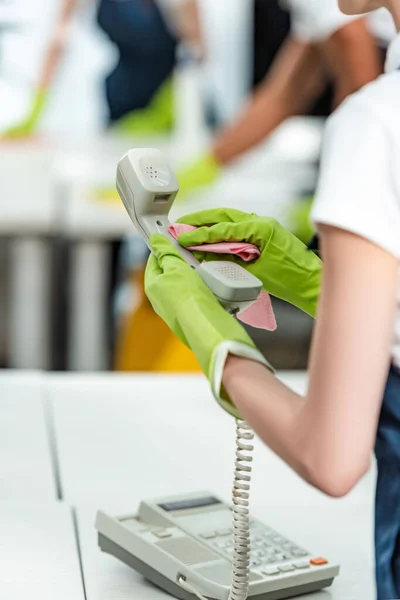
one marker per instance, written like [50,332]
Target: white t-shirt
[381,25]
[359,183]
[316,20]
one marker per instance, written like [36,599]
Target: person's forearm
[57,43]
[291,86]
[352,58]
[291,426]
[269,407]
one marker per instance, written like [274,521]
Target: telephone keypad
[268,550]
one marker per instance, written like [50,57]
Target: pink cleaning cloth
[243,250]
[260,314]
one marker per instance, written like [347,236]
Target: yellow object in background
[201,173]
[105,195]
[145,342]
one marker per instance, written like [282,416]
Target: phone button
[162,533]
[299,552]
[318,561]
[286,568]
[271,571]
[302,564]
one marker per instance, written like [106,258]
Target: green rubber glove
[27,126]
[201,173]
[181,298]
[286,267]
[156,118]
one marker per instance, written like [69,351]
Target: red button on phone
[318,561]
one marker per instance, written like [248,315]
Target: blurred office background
[81,82]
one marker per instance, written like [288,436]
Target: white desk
[123,438]
[25,462]
[38,552]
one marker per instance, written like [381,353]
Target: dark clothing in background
[387,500]
[146,53]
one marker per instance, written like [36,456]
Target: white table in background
[39,556]
[27,214]
[26,468]
[122,438]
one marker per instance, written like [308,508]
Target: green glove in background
[28,125]
[286,267]
[201,173]
[299,219]
[181,298]
[156,118]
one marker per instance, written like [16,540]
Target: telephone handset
[148,187]
[198,546]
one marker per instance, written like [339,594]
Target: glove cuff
[218,363]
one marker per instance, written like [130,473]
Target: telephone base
[175,590]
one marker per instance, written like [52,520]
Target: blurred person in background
[40,67]
[29,57]
[316,57]
[352,406]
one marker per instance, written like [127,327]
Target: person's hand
[28,125]
[181,298]
[286,267]
[202,172]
